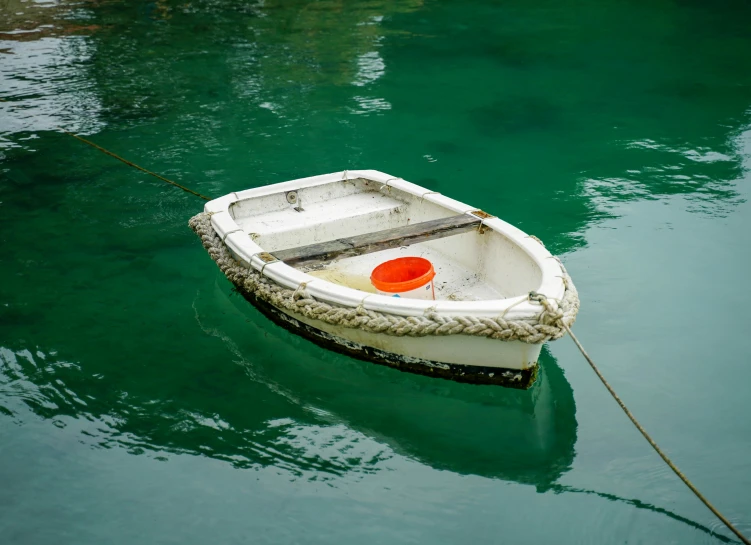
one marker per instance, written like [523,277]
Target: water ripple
[708,184]
[45,81]
[303,450]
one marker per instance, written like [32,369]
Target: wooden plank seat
[378,240]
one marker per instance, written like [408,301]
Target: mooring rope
[543,300]
[93,145]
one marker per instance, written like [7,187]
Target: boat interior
[480,263]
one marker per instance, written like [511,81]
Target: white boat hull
[499,294]
[462,358]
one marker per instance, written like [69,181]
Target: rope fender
[550,324]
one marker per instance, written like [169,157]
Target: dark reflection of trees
[543,113]
[579,107]
[155,58]
[26,21]
[550,118]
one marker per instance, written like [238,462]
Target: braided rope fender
[544,327]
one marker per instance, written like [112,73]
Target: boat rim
[250,254]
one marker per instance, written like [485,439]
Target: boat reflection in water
[523,436]
[515,435]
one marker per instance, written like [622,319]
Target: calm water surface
[142,402]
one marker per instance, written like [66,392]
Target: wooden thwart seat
[378,240]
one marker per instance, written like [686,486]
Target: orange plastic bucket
[410,277]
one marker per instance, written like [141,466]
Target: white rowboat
[302,252]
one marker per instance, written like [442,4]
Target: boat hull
[488,361]
[308,267]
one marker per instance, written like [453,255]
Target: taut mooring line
[649,439]
[93,145]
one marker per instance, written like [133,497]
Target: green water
[142,402]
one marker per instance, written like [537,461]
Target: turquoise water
[142,402]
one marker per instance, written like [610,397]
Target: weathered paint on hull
[473,374]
